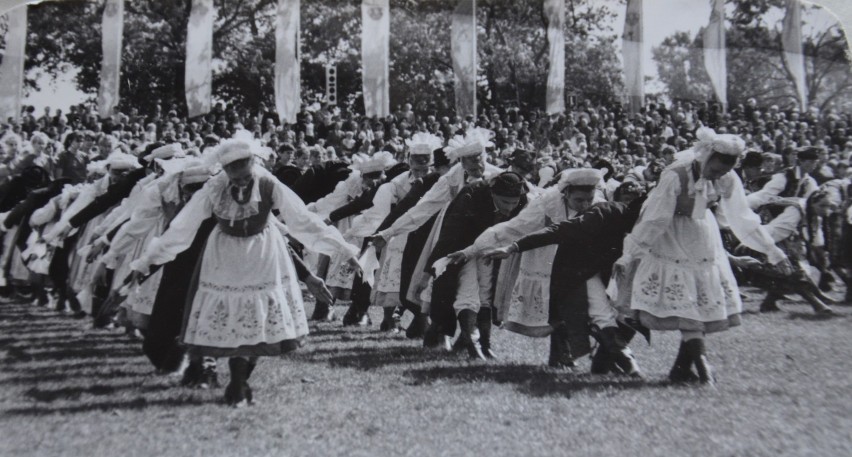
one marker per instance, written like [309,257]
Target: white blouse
[389,194]
[307,227]
[434,200]
[659,210]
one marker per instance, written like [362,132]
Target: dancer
[245,298]
[676,274]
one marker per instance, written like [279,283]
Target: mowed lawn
[785,388]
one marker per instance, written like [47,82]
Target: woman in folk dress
[247,301]
[676,273]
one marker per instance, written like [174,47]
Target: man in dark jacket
[462,291]
[589,246]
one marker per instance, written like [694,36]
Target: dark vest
[252,225]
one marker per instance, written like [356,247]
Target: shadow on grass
[372,358]
[813,316]
[74,393]
[136,404]
[53,376]
[532,380]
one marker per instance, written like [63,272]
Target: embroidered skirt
[247,301]
[685,282]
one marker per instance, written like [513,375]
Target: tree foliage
[512,50]
[755,62]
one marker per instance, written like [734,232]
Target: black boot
[560,350]
[769,304]
[323,312]
[434,337]
[470,334]
[621,356]
[696,351]
[356,315]
[417,328]
[825,282]
[602,362]
[818,305]
[483,324]
[252,363]
[235,392]
[681,371]
[193,372]
[390,322]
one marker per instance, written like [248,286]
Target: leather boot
[681,371]
[602,362]
[323,312]
[356,315]
[695,349]
[560,350]
[193,372]
[483,324]
[390,322]
[619,353]
[417,328]
[469,336]
[769,304]
[825,282]
[816,303]
[235,392]
[252,363]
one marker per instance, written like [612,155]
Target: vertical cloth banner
[9,5]
[198,79]
[631,48]
[375,56]
[112,29]
[12,67]
[463,49]
[288,72]
[794,60]
[714,51]
[554,11]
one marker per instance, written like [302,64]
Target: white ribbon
[440,266]
[369,264]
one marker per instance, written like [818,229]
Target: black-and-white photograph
[476,228]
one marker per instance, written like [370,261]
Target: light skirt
[248,300]
[390,273]
[685,282]
[528,308]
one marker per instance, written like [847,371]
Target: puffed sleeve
[368,222]
[657,213]
[431,203]
[144,220]
[307,227]
[746,224]
[768,193]
[532,218]
[46,213]
[180,234]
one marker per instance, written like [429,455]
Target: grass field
[785,388]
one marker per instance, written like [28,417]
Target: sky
[661,19]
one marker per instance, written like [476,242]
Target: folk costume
[385,291]
[245,296]
[587,246]
[523,296]
[464,291]
[677,274]
[435,202]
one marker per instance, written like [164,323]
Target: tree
[755,63]
[512,51]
